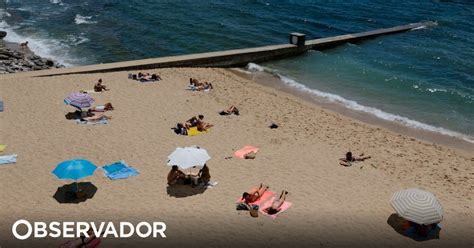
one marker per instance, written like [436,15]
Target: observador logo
[57,229]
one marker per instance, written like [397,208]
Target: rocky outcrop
[12,61]
[3,34]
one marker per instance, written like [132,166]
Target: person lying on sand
[276,205]
[106,107]
[181,129]
[98,87]
[176,176]
[254,195]
[231,110]
[95,117]
[194,84]
[349,159]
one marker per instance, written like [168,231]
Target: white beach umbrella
[188,157]
[418,206]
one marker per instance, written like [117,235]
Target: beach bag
[254,211]
[250,155]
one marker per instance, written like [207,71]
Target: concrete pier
[229,58]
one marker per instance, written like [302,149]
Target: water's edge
[275,82]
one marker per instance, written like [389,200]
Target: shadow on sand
[68,193]
[180,191]
[73,115]
[397,223]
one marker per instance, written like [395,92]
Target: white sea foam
[56,2]
[360,108]
[83,20]
[41,45]
[254,67]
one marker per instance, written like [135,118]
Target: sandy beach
[333,206]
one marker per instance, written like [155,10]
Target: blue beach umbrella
[74,169]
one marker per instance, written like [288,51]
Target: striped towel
[8,159]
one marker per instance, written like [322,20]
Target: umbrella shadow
[68,193]
[76,115]
[180,191]
[398,223]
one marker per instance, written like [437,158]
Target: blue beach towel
[101,121]
[8,159]
[119,170]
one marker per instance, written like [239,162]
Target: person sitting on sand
[202,177]
[276,204]
[106,107]
[176,176]
[193,121]
[254,195]
[203,126]
[231,110]
[349,159]
[99,87]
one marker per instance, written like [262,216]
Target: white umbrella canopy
[188,157]
[418,206]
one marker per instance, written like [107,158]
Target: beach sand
[333,206]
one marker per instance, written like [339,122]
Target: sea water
[422,78]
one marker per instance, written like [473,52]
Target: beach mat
[286,205]
[119,170]
[8,159]
[193,131]
[2,148]
[265,197]
[246,149]
[99,122]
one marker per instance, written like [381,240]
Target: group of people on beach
[249,198]
[145,77]
[201,126]
[176,176]
[194,84]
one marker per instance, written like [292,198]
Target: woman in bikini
[276,205]
[231,110]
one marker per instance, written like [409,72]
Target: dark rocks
[3,34]
[19,60]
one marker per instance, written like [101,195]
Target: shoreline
[273,81]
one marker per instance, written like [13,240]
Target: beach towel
[1,106]
[8,159]
[101,121]
[2,148]
[246,149]
[193,131]
[268,204]
[119,170]
[265,197]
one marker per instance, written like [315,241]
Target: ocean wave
[44,47]
[83,20]
[56,2]
[350,104]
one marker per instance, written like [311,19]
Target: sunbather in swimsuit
[276,205]
[349,158]
[254,195]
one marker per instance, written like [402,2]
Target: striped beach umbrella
[79,100]
[74,169]
[418,206]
